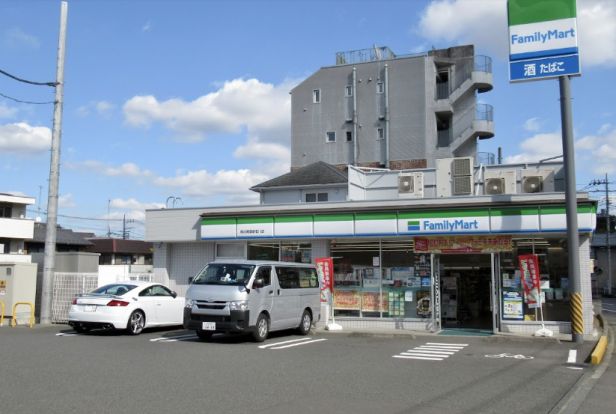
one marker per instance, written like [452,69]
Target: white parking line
[418,357]
[292,342]
[66,334]
[173,338]
[572,356]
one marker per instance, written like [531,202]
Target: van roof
[260,262]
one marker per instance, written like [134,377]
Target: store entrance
[465,291]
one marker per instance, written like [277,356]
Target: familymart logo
[443,225]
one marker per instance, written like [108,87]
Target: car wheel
[261,329]
[204,335]
[136,323]
[305,324]
[81,329]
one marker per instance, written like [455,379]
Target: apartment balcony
[475,122]
[474,73]
[16,228]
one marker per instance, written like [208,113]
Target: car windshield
[224,274]
[116,289]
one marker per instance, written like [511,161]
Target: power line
[26,102]
[52,84]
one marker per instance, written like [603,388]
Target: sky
[180,103]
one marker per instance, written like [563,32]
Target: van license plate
[208,326]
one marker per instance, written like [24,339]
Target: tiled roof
[63,236]
[318,173]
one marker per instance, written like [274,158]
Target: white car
[126,305]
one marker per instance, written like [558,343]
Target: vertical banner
[325,268]
[529,267]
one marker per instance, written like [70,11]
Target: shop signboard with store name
[463,244]
[542,39]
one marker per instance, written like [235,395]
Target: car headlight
[189,303]
[240,305]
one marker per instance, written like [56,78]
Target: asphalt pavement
[596,390]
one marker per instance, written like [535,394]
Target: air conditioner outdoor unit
[499,182]
[462,176]
[410,185]
[537,181]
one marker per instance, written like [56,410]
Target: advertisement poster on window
[512,306]
[346,300]
[325,268]
[529,269]
[370,302]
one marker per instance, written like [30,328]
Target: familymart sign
[543,39]
[527,219]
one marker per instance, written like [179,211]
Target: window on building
[6,210]
[380,87]
[5,246]
[348,90]
[380,133]
[349,136]
[314,197]
[316,96]
[330,136]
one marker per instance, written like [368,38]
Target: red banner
[325,268]
[531,282]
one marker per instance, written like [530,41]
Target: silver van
[252,296]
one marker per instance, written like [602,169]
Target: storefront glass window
[264,251]
[381,279]
[552,255]
[286,251]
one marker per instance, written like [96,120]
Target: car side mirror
[258,283]
[174,294]
[190,279]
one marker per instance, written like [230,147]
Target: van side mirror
[174,294]
[258,283]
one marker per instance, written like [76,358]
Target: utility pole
[573,238]
[608,227]
[54,176]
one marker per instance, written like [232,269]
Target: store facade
[402,264]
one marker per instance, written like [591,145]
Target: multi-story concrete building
[376,109]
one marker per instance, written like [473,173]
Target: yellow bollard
[14,320]
[1,313]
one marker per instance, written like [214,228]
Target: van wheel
[261,329]
[305,324]
[204,335]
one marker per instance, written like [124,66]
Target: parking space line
[173,338]
[572,356]
[284,342]
[300,343]
[432,351]
[418,357]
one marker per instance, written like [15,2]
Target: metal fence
[65,287]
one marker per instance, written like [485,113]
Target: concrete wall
[292,196]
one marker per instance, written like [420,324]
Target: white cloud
[538,147]
[202,183]
[23,138]
[147,26]
[15,37]
[262,108]
[597,151]
[133,204]
[66,201]
[102,108]
[484,24]
[6,111]
[532,124]
[128,169]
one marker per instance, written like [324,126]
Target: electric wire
[26,102]
[52,84]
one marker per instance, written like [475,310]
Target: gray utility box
[17,284]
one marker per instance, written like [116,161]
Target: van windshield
[224,274]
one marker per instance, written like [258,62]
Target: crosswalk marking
[431,351]
[291,343]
